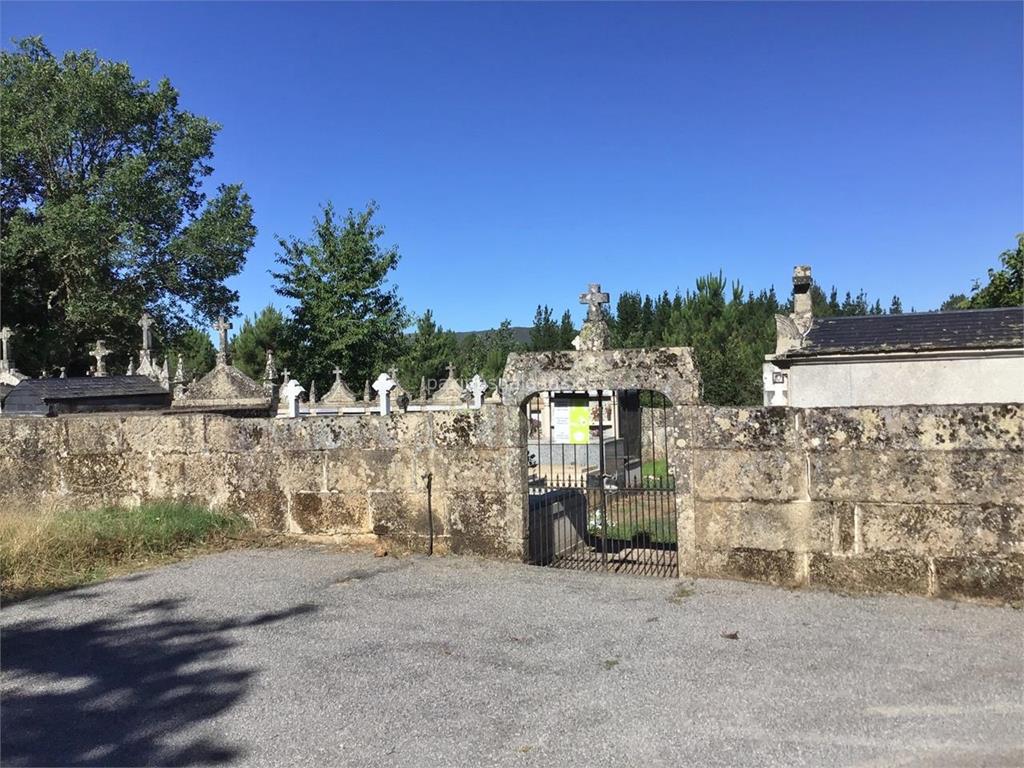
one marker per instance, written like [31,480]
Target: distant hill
[520,333]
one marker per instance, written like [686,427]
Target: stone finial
[495,396]
[222,326]
[145,323]
[383,386]
[6,361]
[312,393]
[270,370]
[477,386]
[63,372]
[423,389]
[594,336]
[131,366]
[165,375]
[449,393]
[594,298]
[339,394]
[100,352]
[366,391]
[802,315]
[179,378]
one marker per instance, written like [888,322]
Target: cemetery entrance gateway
[600,493]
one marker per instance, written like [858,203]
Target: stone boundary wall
[920,500]
[328,474]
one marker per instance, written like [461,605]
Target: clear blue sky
[520,151]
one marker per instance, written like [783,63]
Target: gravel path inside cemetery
[312,657]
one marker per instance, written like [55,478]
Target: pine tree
[267,330]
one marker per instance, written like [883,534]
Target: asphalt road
[311,657]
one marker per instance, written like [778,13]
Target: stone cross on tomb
[145,323]
[5,339]
[337,374]
[382,386]
[594,299]
[222,326]
[477,386]
[99,353]
[286,376]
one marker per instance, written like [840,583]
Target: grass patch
[40,553]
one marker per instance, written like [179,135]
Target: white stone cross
[222,326]
[383,386]
[337,374]
[291,391]
[594,298]
[99,353]
[145,322]
[477,386]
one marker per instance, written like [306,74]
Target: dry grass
[41,553]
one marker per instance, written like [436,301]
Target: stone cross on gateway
[99,353]
[594,298]
[145,323]
[222,326]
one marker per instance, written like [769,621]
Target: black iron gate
[601,493]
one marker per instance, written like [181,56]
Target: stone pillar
[802,313]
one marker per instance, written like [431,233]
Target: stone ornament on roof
[100,351]
[9,375]
[477,386]
[339,394]
[225,388]
[594,335]
[450,393]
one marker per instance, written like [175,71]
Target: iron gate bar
[617,518]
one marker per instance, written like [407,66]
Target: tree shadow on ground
[120,690]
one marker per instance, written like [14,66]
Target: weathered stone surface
[746,475]
[779,567]
[793,526]
[876,572]
[95,435]
[918,477]
[739,428]
[331,513]
[926,428]
[159,434]
[978,577]
[941,529]
[670,371]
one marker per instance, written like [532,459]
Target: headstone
[383,386]
[291,392]
[99,353]
[477,386]
[222,326]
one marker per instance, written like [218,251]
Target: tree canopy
[104,212]
[344,314]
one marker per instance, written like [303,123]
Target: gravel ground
[313,657]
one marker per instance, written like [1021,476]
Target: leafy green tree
[896,306]
[267,330]
[103,210]
[1005,287]
[344,314]
[566,331]
[197,351]
[427,353]
[954,302]
[545,335]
